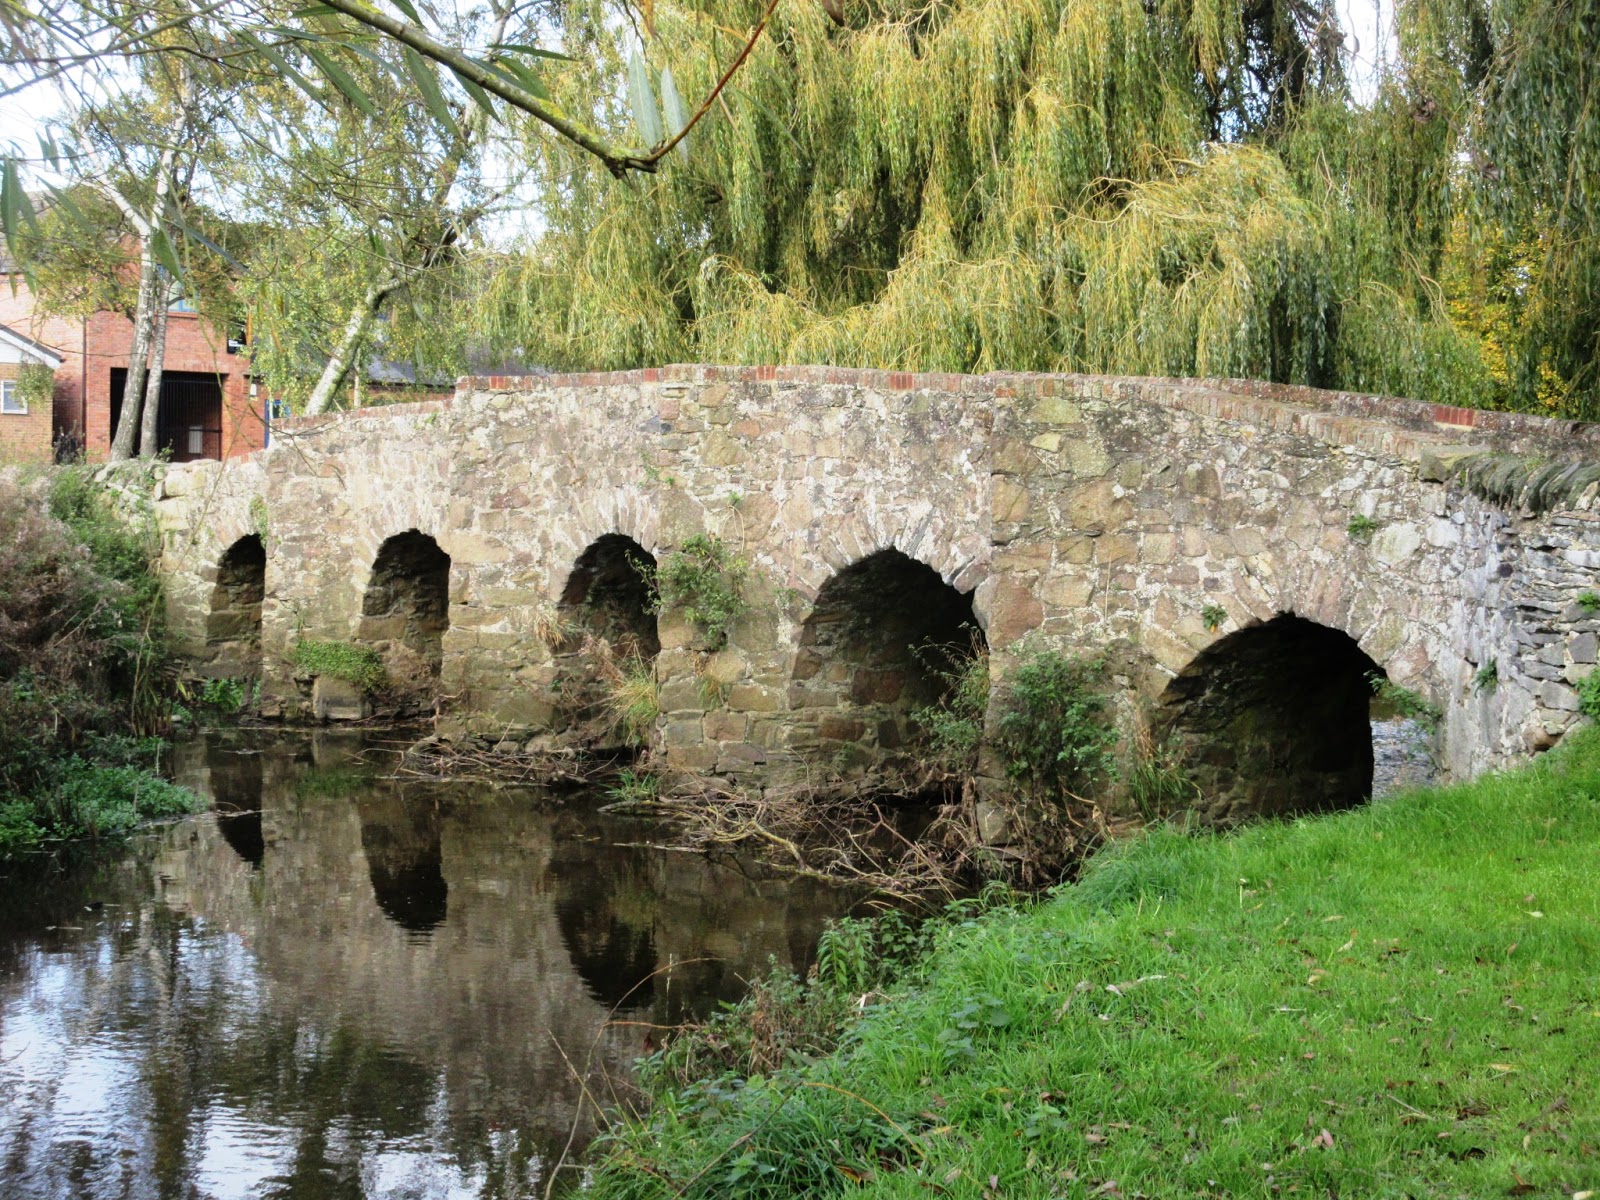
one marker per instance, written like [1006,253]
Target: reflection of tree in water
[400,836]
[236,790]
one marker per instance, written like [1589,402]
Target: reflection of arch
[878,645]
[233,626]
[1273,719]
[405,861]
[406,610]
[235,782]
[606,907]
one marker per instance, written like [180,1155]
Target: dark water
[333,986]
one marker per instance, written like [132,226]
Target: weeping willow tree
[1519,83]
[1174,187]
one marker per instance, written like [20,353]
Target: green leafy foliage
[953,728]
[355,664]
[1404,701]
[1589,695]
[1053,730]
[1487,677]
[1361,528]
[1213,617]
[1589,602]
[704,581]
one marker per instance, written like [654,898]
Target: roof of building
[50,358]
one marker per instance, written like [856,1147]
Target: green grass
[1402,1000]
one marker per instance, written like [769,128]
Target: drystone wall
[1166,526]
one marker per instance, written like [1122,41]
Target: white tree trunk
[149,424]
[339,363]
[126,441]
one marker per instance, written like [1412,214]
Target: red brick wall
[24,437]
[93,346]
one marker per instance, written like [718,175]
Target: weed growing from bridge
[634,787]
[631,698]
[1488,677]
[1589,602]
[358,665]
[1054,732]
[704,580]
[1361,528]
[1589,695]
[1405,702]
[1156,781]
[1213,617]
[954,726]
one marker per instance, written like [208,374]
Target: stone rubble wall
[1091,515]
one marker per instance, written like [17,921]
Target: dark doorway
[189,421]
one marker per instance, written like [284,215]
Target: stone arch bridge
[1242,555]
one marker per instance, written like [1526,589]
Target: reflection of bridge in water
[332,978]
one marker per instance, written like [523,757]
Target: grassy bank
[1402,1000]
[83,683]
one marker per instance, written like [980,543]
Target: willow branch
[716,92]
[619,162]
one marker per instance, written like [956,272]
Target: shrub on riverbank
[1395,1000]
[81,660]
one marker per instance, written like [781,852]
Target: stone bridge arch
[1081,513]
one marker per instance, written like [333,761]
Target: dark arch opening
[1274,720]
[882,641]
[233,626]
[405,612]
[607,630]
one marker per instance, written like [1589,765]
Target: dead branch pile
[872,841]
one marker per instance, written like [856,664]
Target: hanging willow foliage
[1170,187]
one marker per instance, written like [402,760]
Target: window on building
[11,403]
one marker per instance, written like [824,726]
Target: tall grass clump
[82,658]
[1394,1000]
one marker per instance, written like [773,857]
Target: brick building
[26,433]
[207,406]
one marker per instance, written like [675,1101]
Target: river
[335,985]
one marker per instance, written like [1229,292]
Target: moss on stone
[1537,485]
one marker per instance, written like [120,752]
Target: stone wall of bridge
[1242,555]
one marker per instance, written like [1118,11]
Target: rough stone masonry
[1242,556]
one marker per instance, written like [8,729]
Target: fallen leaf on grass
[1323,1139]
[1501,1067]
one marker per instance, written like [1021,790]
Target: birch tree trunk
[149,424]
[337,368]
[126,441]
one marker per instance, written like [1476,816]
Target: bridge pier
[1167,526]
